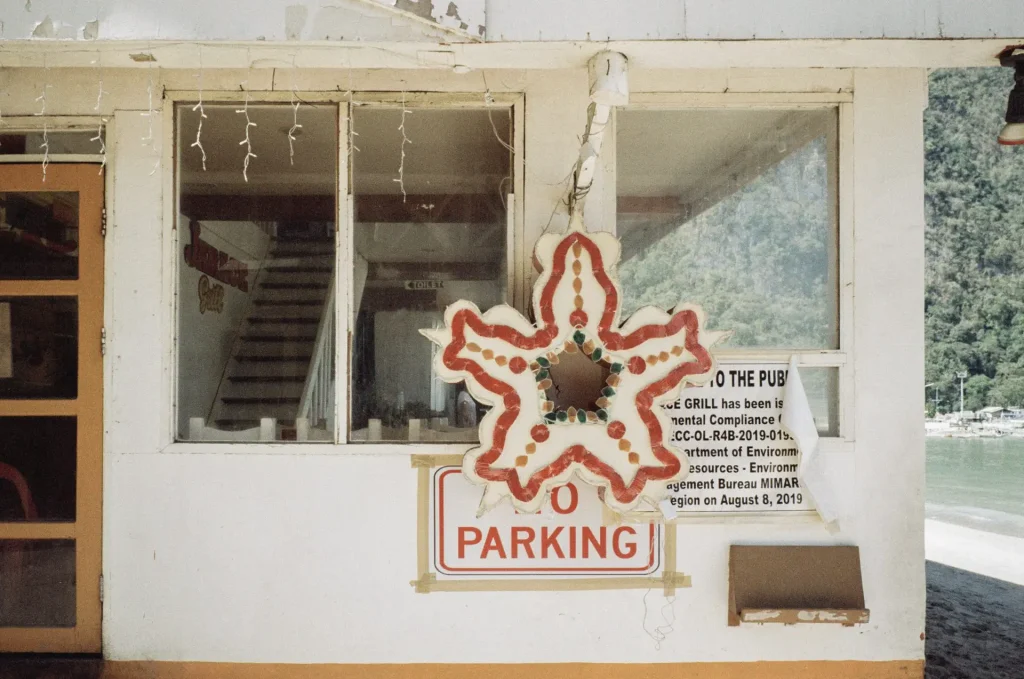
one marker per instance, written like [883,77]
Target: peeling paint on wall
[48,28]
[761,616]
[421,8]
[373,20]
[452,18]
[44,29]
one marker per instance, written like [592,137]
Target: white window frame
[516,252]
[840,177]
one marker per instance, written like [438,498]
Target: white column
[888,516]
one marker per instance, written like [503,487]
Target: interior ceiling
[272,171]
[667,156]
[660,153]
[431,243]
[673,153]
[448,151]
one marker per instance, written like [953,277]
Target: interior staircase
[277,354]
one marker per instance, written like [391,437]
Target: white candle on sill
[374,433]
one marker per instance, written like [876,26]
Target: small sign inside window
[424,285]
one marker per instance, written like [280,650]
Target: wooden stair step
[260,400]
[279,338]
[291,268]
[285,320]
[288,302]
[294,286]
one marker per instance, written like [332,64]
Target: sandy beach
[992,554]
[975,626]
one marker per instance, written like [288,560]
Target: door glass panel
[38,347]
[37,583]
[37,468]
[38,235]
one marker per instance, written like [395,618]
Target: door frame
[88,181]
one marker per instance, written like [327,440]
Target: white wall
[889,330]
[228,20]
[304,554]
[403,360]
[750,19]
[512,19]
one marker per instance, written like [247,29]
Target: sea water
[978,483]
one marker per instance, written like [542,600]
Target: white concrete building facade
[234,539]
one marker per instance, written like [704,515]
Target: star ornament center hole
[577,383]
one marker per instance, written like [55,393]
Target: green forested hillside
[974,207]
[758,261]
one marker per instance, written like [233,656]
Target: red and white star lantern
[528,445]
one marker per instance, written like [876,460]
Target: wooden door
[51,406]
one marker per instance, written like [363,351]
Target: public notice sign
[741,459]
[566,539]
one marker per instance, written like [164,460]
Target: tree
[974,240]
[976,391]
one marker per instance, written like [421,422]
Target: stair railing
[317,399]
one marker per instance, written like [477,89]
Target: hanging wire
[101,91]
[405,140]
[150,139]
[352,134]
[45,146]
[198,143]
[247,142]
[668,616]
[103,145]
[295,117]
[147,140]
[668,612]
[99,103]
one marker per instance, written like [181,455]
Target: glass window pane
[37,583]
[256,273]
[822,388]
[37,468]
[38,235]
[734,210]
[38,347]
[430,229]
[31,143]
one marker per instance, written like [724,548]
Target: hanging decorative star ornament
[531,440]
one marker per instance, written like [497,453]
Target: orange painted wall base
[901,669]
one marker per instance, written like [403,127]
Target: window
[732,207]
[256,286]
[434,233]
[737,210]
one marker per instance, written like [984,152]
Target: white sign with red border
[566,539]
